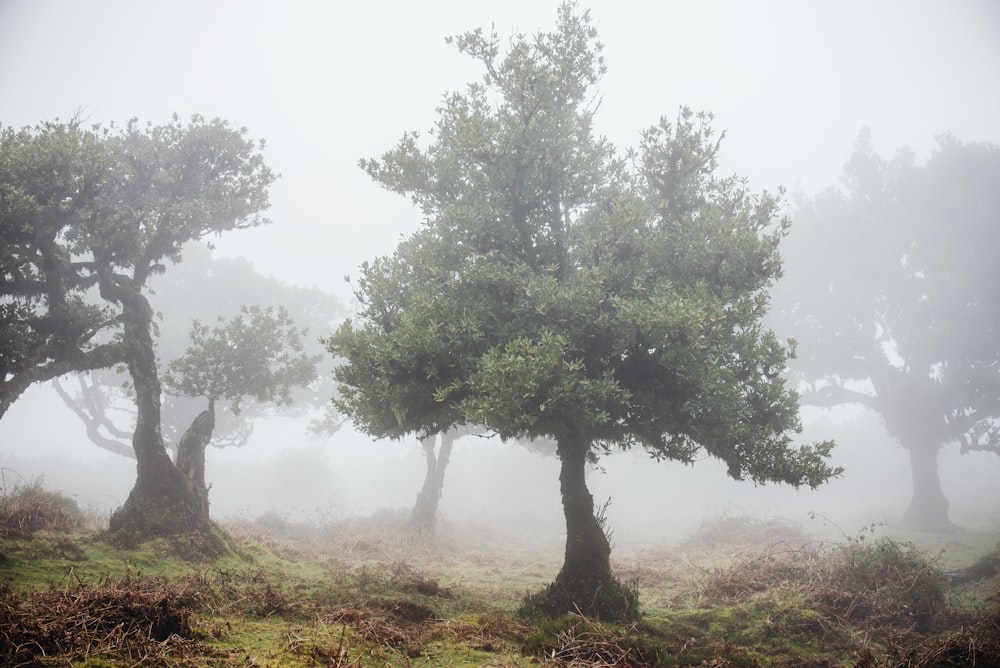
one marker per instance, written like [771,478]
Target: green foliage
[102,401]
[558,289]
[105,207]
[258,353]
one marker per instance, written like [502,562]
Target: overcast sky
[327,83]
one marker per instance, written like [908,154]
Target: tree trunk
[588,552]
[163,501]
[424,517]
[191,454]
[928,508]
[585,583]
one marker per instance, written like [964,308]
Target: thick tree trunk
[928,508]
[191,454]
[163,501]
[585,583]
[424,516]
[588,553]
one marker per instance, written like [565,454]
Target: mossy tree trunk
[163,502]
[585,583]
[191,454]
[424,516]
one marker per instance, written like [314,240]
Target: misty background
[325,84]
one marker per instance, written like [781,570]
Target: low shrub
[30,508]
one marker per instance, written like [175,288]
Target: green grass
[371,594]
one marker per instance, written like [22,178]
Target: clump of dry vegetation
[29,508]
[578,642]
[883,593]
[737,535]
[143,619]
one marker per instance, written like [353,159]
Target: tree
[423,518]
[892,290]
[47,328]
[257,354]
[557,291]
[104,404]
[424,515]
[104,209]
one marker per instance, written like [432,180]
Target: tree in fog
[437,453]
[893,291]
[558,291]
[47,326]
[105,209]
[424,515]
[103,401]
[257,354]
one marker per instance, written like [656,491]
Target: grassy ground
[738,592]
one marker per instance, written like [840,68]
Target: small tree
[104,404]
[105,209]
[556,291]
[424,516]
[892,288]
[257,354]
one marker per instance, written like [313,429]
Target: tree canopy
[206,287]
[557,290]
[104,209]
[257,353]
[892,290]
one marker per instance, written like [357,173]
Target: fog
[326,83]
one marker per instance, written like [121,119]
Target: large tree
[106,209]
[557,291]
[893,290]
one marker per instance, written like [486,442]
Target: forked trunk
[163,501]
[424,517]
[191,454]
[928,508]
[585,583]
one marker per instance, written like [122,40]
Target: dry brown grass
[143,619]
[26,509]
[886,592]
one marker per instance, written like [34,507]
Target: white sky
[327,83]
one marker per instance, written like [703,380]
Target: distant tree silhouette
[892,288]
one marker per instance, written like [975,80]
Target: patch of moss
[609,600]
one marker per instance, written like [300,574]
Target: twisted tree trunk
[163,501]
[191,454]
[584,583]
[424,516]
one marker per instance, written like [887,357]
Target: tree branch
[830,396]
